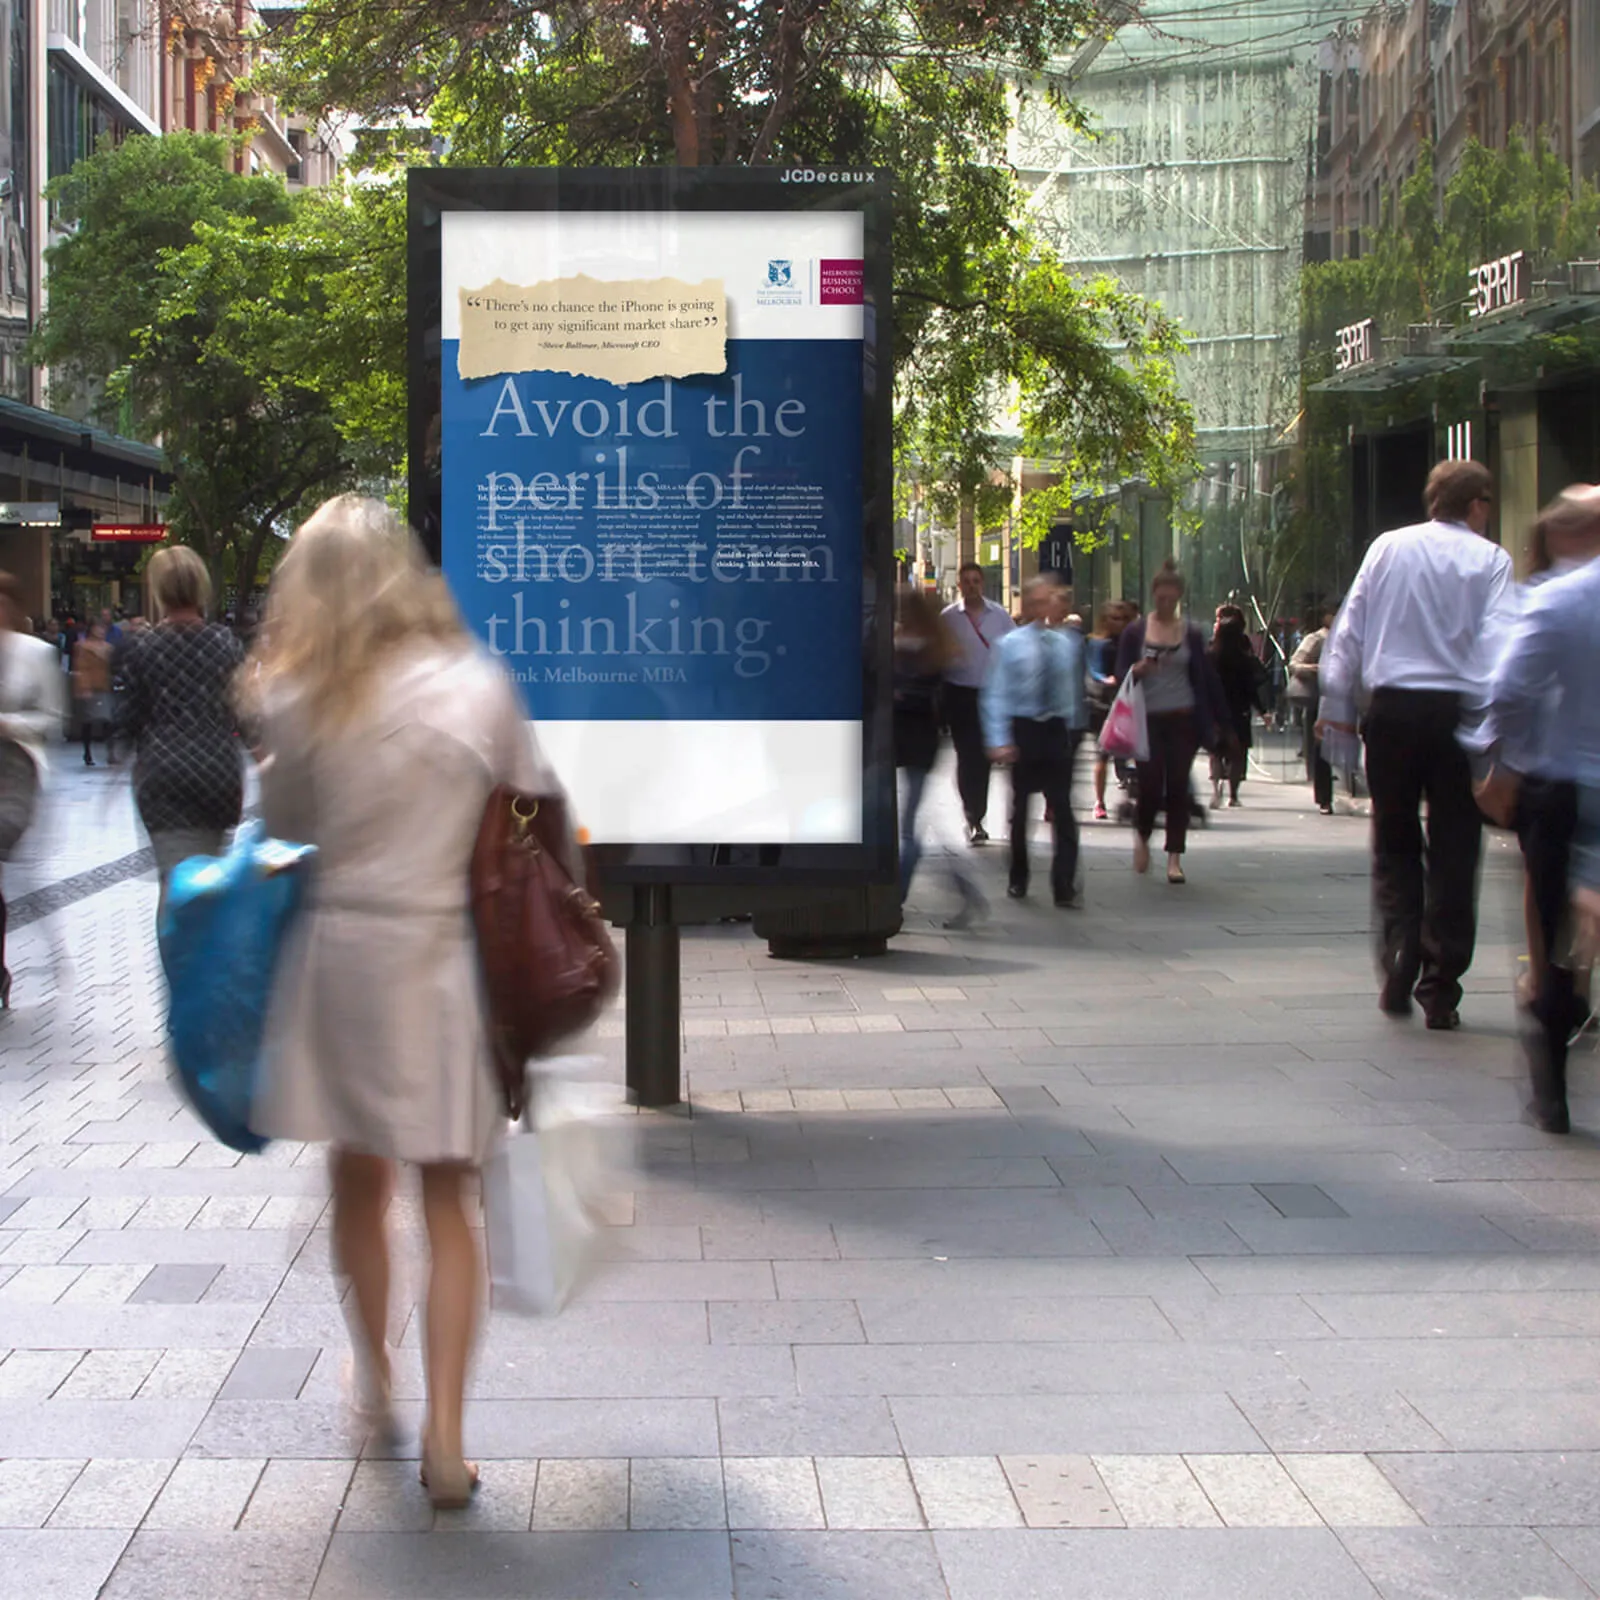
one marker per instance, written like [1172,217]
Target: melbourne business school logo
[779,288]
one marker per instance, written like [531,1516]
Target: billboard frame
[762,192]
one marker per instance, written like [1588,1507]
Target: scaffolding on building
[1190,188]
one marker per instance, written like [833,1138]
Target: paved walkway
[1104,1255]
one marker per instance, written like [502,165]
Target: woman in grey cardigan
[383,729]
[1185,712]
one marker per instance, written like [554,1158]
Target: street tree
[210,312]
[998,348]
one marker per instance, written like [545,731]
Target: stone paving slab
[1112,1254]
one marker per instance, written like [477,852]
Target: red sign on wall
[129,532]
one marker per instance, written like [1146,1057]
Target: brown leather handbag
[549,965]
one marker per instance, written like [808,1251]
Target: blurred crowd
[1021,693]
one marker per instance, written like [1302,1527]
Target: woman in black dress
[177,713]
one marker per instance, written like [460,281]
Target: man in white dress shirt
[1417,641]
[975,625]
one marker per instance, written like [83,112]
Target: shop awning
[53,440]
[1396,373]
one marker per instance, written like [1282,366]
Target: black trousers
[1045,752]
[1164,778]
[1318,769]
[1321,775]
[1426,896]
[1547,819]
[972,758]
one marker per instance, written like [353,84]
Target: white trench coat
[376,1034]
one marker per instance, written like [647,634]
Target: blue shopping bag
[221,934]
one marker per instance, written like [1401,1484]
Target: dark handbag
[549,966]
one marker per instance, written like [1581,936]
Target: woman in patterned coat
[177,713]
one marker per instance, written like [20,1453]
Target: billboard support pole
[654,999]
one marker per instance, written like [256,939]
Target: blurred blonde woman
[188,776]
[383,728]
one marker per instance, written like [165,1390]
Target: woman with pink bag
[1185,712]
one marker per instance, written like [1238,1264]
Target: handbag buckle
[522,821]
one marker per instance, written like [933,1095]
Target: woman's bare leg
[454,1285]
[1100,766]
[362,1187]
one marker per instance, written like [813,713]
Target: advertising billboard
[650,452]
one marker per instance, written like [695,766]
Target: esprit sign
[1499,285]
[1352,346]
[128,532]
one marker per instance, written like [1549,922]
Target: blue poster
[683,548]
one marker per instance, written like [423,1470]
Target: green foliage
[698,82]
[998,349]
[258,337]
[126,205]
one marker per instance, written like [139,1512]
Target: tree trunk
[248,563]
[682,101]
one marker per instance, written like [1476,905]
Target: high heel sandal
[450,1485]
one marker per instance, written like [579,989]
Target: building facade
[1445,72]
[1483,380]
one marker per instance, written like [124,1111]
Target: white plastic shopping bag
[541,1190]
[1341,750]
[1125,733]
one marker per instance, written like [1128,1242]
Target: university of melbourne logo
[780,286]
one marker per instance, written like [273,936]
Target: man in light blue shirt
[1543,730]
[1034,709]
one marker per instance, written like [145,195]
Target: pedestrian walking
[1245,684]
[66,639]
[922,652]
[1101,656]
[1563,540]
[1184,713]
[384,729]
[32,703]
[975,625]
[1305,674]
[91,688]
[1418,635]
[1034,713]
[177,714]
[1542,734]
